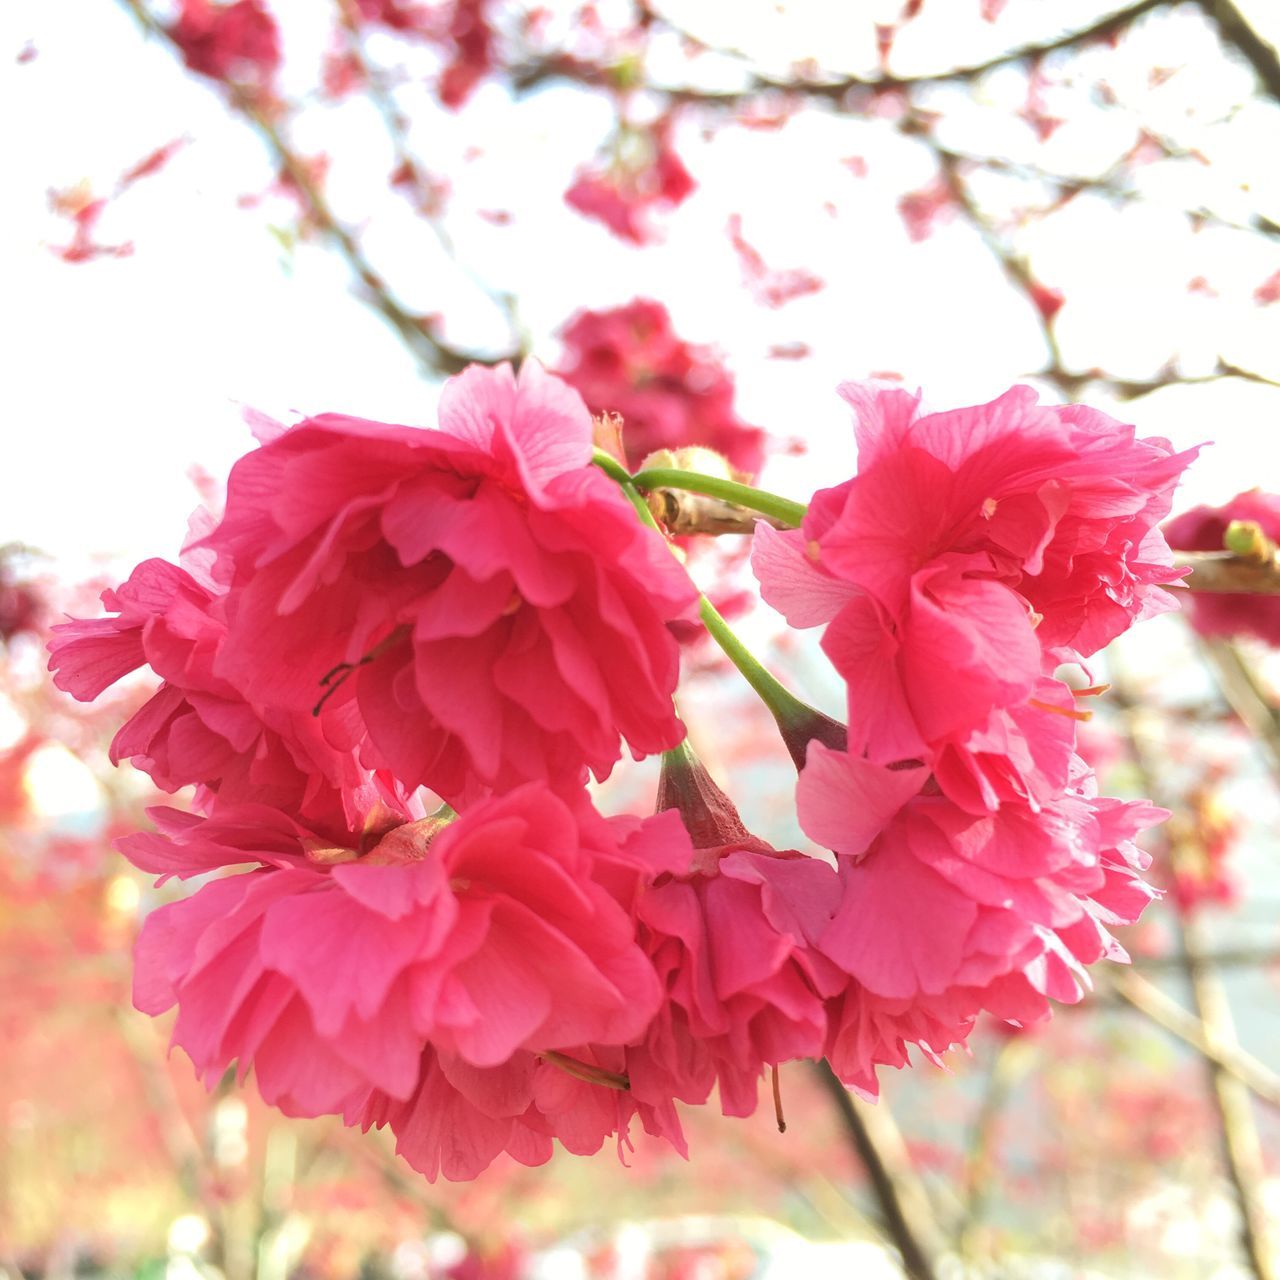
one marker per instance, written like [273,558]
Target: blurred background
[705,215]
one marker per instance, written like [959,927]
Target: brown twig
[541,71]
[1236,31]
[904,1210]
[1238,686]
[433,354]
[1147,999]
[1224,572]
[1238,1134]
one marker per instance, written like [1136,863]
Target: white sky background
[120,375]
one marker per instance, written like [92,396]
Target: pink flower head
[197,729]
[945,913]
[973,551]
[1202,529]
[630,360]
[331,969]
[730,943]
[470,42]
[624,195]
[499,610]
[237,41]
[1063,499]
[730,940]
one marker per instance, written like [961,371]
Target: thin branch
[1235,30]
[1238,686]
[1147,999]
[433,354]
[1237,1131]
[905,1217]
[541,71]
[1224,573]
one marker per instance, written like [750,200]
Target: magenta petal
[844,803]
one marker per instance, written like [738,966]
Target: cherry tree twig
[435,355]
[1237,1132]
[904,1210]
[538,71]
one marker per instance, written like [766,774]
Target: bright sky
[121,375]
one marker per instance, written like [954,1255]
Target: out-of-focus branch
[1235,30]
[1238,1134]
[1009,1064]
[433,354]
[1244,697]
[1146,998]
[905,1212]
[1222,572]
[541,71]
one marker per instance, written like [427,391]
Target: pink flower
[197,729]
[238,41]
[486,596]
[472,55]
[624,196]
[973,551]
[730,940]
[1202,529]
[1064,500]
[332,970]
[671,394]
[945,913]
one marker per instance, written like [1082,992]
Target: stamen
[585,1071]
[813,551]
[989,508]
[777,1102]
[1070,712]
[345,670]
[1093,691]
[513,604]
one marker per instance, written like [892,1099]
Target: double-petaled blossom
[671,394]
[973,552]
[198,729]
[1229,613]
[484,594]
[944,913]
[237,41]
[730,940]
[354,977]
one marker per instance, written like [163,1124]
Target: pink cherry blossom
[946,913]
[1202,529]
[332,970]
[1057,503]
[197,729]
[500,612]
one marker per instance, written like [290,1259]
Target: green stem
[613,468]
[779,701]
[798,722]
[742,495]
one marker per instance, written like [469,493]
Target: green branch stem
[781,509]
[798,722]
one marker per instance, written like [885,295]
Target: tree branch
[903,1214]
[540,71]
[434,355]
[1234,30]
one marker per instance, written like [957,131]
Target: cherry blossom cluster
[392,666]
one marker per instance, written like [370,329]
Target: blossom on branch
[483,594]
[238,42]
[1203,529]
[671,394]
